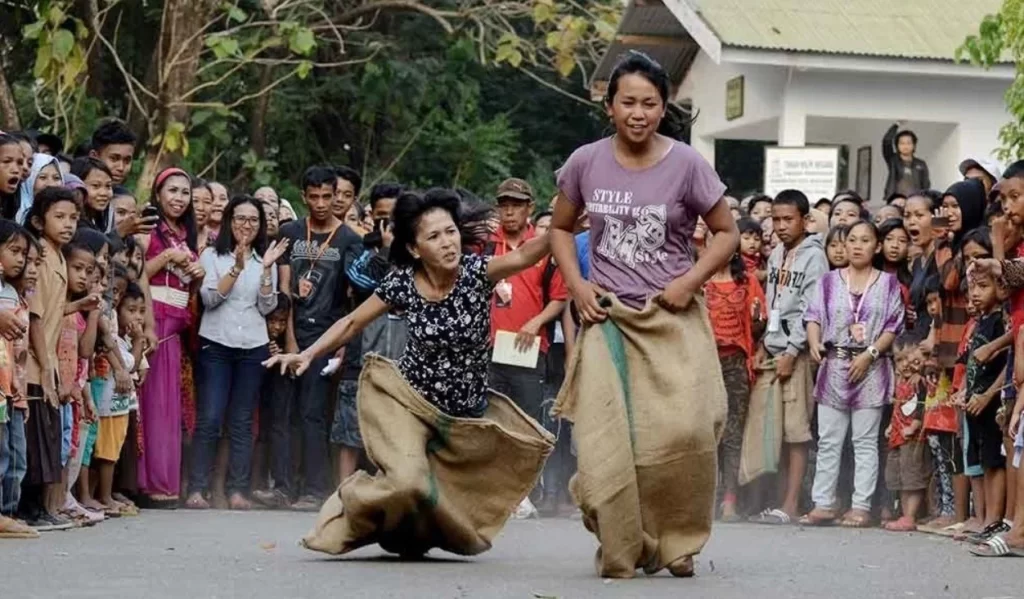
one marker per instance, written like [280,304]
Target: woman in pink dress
[172,265]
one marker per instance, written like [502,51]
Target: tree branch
[440,16]
[130,82]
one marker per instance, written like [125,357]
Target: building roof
[673,31]
[930,29]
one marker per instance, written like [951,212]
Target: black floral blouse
[448,352]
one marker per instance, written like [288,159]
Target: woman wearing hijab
[45,172]
[963,207]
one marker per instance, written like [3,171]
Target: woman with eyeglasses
[238,292]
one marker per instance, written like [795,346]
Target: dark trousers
[275,426]
[229,395]
[524,386]
[314,393]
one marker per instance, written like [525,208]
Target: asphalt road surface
[197,555]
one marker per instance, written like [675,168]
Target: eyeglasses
[246,220]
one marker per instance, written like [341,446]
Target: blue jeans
[13,464]
[230,390]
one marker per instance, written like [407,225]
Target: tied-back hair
[677,119]
[225,243]
[188,218]
[737,269]
[410,208]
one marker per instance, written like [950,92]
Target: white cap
[990,166]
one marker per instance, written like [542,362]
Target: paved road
[254,555]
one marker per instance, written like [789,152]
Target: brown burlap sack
[645,394]
[763,432]
[443,482]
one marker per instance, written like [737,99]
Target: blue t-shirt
[583,253]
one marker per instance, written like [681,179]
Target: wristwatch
[873,352]
[234,272]
[266,281]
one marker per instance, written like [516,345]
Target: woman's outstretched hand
[296,363]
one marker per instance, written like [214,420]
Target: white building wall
[953,116]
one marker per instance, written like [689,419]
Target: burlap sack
[763,432]
[647,400]
[443,482]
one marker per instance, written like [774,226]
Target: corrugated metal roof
[930,29]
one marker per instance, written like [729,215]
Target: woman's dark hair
[934,197]
[81,167]
[635,62]
[893,197]
[865,223]
[888,226]
[737,269]
[754,201]
[381,191]
[45,200]
[199,183]
[225,243]
[749,225]
[188,219]
[863,212]
[411,207]
[10,230]
[360,210]
[839,231]
[92,239]
[825,201]
[132,291]
[981,236]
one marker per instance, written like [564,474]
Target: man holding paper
[522,306]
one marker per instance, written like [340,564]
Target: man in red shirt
[524,304]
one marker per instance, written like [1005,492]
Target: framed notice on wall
[734,98]
[812,170]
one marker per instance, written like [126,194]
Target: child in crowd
[737,309]
[908,465]
[53,217]
[983,385]
[276,414]
[793,269]
[846,211]
[77,342]
[116,405]
[835,247]
[15,242]
[750,248]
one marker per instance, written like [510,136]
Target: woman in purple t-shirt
[644,192]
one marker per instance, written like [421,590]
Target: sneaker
[12,529]
[307,503]
[273,499]
[526,510]
[48,523]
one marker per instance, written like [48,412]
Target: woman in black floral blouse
[445,295]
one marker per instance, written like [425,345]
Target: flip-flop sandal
[773,517]
[996,547]
[855,520]
[809,519]
[900,525]
[732,519]
[947,531]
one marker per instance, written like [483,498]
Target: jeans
[833,425]
[314,393]
[12,472]
[275,422]
[524,386]
[230,391]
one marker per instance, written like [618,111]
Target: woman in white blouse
[238,292]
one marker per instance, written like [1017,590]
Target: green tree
[1000,39]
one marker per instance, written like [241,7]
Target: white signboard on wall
[812,170]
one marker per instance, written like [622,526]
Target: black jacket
[916,171]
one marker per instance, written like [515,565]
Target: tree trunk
[95,87]
[8,108]
[182,19]
[257,128]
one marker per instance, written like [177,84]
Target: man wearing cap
[525,303]
[985,169]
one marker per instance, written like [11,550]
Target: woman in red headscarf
[172,266]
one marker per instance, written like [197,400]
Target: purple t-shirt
[641,221]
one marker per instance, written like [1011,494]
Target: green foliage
[402,100]
[1000,39]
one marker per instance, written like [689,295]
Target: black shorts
[985,439]
[43,434]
